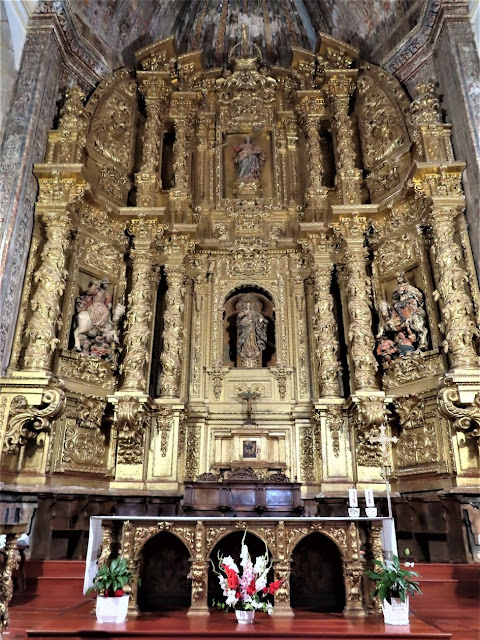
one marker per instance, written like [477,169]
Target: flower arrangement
[111,578]
[246,590]
[393,581]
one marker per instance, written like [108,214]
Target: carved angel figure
[95,327]
[251,333]
[249,160]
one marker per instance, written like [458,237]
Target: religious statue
[402,326]
[95,331]
[249,160]
[251,333]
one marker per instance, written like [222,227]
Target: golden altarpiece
[245,268]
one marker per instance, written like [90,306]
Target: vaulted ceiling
[119,27]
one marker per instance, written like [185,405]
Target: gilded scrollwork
[27,422]
[163,426]
[192,452]
[307,453]
[465,417]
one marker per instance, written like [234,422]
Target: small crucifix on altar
[384,441]
[249,396]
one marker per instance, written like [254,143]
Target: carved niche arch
[256,545]
[165,582]
[262,301]
[316,577]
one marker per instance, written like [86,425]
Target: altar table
[127,535]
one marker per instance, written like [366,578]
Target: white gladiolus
[269,608]
[232,599]
[244,555]
[260,565]
[261,582]
[229,562]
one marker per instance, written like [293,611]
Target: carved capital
[131,421]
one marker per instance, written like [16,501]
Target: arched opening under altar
[230,545]
[316,580]
[164,567]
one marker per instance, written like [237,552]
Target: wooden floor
[54,608]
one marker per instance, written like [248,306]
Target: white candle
[369,501]
[352,498]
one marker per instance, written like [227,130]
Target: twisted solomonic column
[325,329]
[171,358]
[139,308]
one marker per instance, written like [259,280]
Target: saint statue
[95,332]
[403,324]
[249,160]
[251,334]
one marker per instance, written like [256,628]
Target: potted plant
[394,585]
[245,591]
[109,583]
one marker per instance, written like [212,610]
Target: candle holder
[371,512]
[354,512]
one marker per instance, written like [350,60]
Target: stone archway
[316,579]
[164,566]
[230,545]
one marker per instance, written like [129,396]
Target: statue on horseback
[95,327]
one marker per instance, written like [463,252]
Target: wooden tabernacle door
[359,540]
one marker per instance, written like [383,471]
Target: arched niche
[164,564]
[230,545]
[316,579]
[261,302]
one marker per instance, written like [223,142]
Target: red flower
[232,578]
[265,589]
[273,586]
[251,588]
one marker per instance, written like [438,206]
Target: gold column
[148,178]
[339,85]
[183,112]
[282,571]
[358,295]
[199,575]
[56,193]
[171,358]
[12,533]
[312,109]
[450,278]
[325,328]
[140,307]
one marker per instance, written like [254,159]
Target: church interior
[239,252]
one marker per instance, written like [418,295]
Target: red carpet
[53,607]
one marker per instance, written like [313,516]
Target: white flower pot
[245,617]
[395,613]
[112,609]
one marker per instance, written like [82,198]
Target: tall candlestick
[352,498]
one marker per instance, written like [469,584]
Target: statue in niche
[403,324]
[251,332]
[249,160]
[95,332]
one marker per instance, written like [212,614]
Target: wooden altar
[358,540]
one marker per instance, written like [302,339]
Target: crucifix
[383,440]
[249,396]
